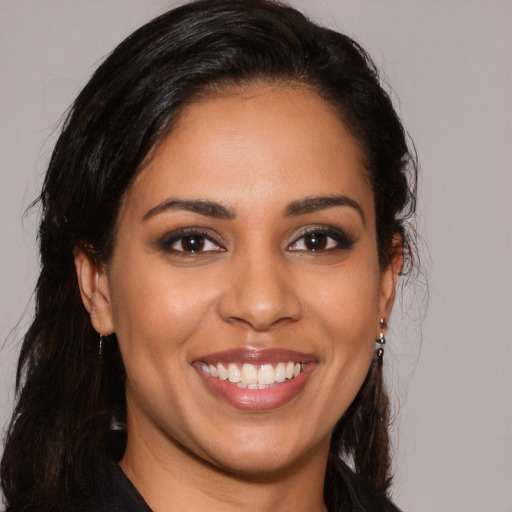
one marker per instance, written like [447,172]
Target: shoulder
[372,501]
[347,492]
[376,503]
[113,492]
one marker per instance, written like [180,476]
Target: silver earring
[100,348]
[381,340]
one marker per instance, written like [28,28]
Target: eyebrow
[219,211]
[313,204]
[202,207]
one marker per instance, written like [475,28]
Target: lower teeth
[254,386]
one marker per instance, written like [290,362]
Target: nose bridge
[259,290]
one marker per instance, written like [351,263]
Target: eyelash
[166,243]
[341,241]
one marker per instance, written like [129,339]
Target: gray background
[449,63]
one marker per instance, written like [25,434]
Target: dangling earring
[381,340]
[100,347]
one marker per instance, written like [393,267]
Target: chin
[252,456]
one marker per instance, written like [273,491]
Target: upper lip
[256,356]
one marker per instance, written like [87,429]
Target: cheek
[156,312]
[155,308]
[344,304]
[346,301]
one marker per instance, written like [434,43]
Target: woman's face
[245,257]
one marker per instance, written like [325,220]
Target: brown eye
[315,241]
[322,240]
[192,243]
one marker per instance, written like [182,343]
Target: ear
[94,289]
[389,278]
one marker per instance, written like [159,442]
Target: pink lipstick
[255,380]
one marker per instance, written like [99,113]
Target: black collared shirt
[113,492]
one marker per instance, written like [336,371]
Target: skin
[255,285]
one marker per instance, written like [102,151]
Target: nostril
[258,324]
[259,315]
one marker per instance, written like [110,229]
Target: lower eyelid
[341,240]
[337,241]
[167,242]
[215,246]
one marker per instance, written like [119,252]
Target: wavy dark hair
[69,400]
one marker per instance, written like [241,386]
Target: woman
[224,221]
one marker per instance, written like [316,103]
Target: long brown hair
[69,399]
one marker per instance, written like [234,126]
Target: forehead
[269,141]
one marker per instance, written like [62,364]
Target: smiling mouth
[250,376]
[256,380]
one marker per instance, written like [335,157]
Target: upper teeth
[254,377]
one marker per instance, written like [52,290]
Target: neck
[172,479]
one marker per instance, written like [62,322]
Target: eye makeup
[190,241]
[194,241]
[319,239]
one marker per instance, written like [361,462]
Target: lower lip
[278,395]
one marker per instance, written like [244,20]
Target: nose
[260,293]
